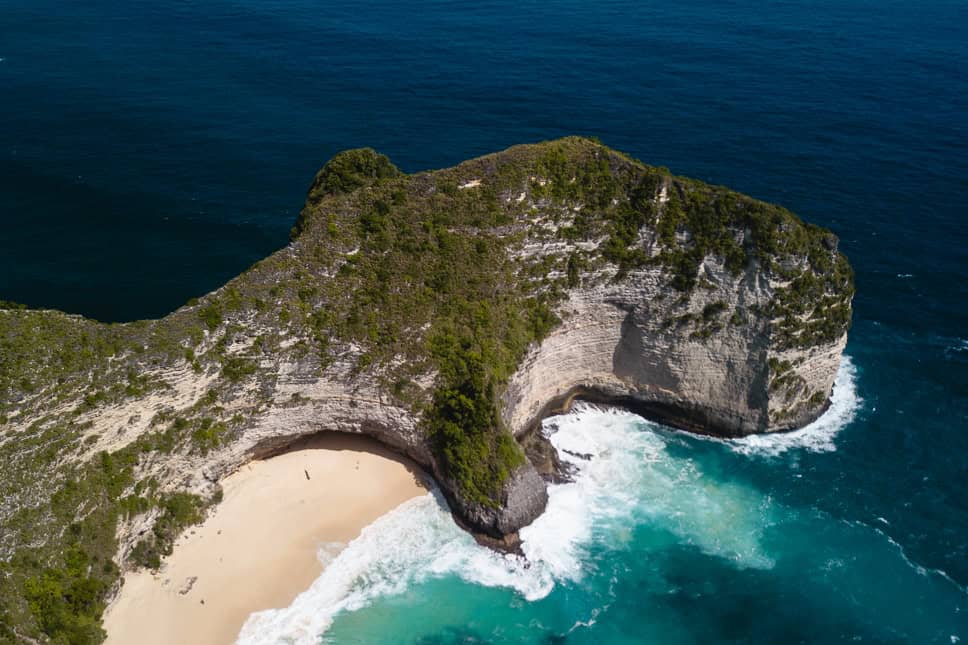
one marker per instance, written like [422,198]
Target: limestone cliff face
[635,344]
[441,313]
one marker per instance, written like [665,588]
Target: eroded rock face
[534,275]
[628,343]
[524,498]
[615,344]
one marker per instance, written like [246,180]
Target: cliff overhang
[442,313]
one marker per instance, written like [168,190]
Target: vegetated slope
[403,308]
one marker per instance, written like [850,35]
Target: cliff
[443,313]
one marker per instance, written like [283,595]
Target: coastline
[258,549]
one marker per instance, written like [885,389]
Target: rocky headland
[442,313]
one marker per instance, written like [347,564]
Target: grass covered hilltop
[440,312]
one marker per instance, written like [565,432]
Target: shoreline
[259,548]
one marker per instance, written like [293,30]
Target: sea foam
[819,435]
[624,476]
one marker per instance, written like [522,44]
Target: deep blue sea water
[150,151]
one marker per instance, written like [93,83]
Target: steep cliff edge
[442,313]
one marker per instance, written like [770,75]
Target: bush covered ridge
[443,278]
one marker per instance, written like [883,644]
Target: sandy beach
[258,548]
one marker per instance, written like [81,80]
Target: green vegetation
[237,368]
[783,378]
[211,315]
[467,434]
[814,307]
[816,398]
[713,309]
[209,434]
[412,277]
[66,601]
[178,510]
[344,173]
[351,170]
[59,588]
[705,323]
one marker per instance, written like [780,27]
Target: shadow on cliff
[632,361]
[338,441]
[650,384]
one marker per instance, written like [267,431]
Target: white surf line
[818,436]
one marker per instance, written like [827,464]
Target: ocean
[150,151]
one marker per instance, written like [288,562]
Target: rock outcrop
[616,345]
[443,314]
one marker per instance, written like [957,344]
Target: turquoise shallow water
[150,151]
[663,537]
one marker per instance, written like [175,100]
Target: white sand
[258,549]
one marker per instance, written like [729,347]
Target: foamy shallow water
[636,474]
[819,435]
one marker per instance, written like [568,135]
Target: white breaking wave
[631,475]
[819,435]
[954,352]
[416,540]
[624,477]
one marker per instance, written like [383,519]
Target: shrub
[209,434]
[66,601]
[237,368]
[178,510]
[211,315]
[713,309]
[468,438]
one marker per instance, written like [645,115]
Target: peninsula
[443,314]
